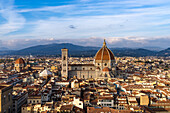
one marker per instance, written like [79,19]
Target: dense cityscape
[84,56]
[100,84]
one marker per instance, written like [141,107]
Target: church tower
[64,72]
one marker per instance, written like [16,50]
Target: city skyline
[122,23]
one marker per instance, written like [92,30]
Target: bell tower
[64,72]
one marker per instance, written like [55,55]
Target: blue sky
[123,23]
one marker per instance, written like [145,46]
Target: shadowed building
[6,98]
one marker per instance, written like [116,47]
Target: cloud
[131,42]
[13,20]
[72,27]
[130,23]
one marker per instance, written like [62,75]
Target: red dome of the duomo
[20,61]
[104,53]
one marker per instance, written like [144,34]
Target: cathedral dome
[104,53]
[20,61]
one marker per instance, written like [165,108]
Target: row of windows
[105,100]
[83,68]
[33,101]
[106,104]
[9,98]
[84,76]
[105,64]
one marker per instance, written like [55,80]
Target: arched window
[64,58]
[9,110]
[105,64]
[4,99]
[9,97]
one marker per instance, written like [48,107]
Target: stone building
[103,66]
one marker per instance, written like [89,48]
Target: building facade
[103,66]
[6,98]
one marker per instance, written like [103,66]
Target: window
[83,68]
[64,58]
[4,98]
[83,76]
[91,76]
[98,64]
[105,64]
[9,110]
[90,68]
[9,97]
[79,103]
[75,68]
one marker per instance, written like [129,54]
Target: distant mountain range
[3,49]
[76,50]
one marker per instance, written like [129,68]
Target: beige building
[34,99]
[6,98]
[144,100]
[103,66]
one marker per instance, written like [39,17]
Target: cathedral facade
[103,67]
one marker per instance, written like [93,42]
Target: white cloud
[128,22]
[130,42]
[14,21]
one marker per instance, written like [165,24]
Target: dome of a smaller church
[106,69]
[98,68]
[104,53]
[20,61]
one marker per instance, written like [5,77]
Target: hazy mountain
[153,48]
[76,50]
[165,52]
[3,49]
[133,52]
[54,49]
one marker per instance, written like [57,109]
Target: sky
[123,23]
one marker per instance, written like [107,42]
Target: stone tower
[64,72]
